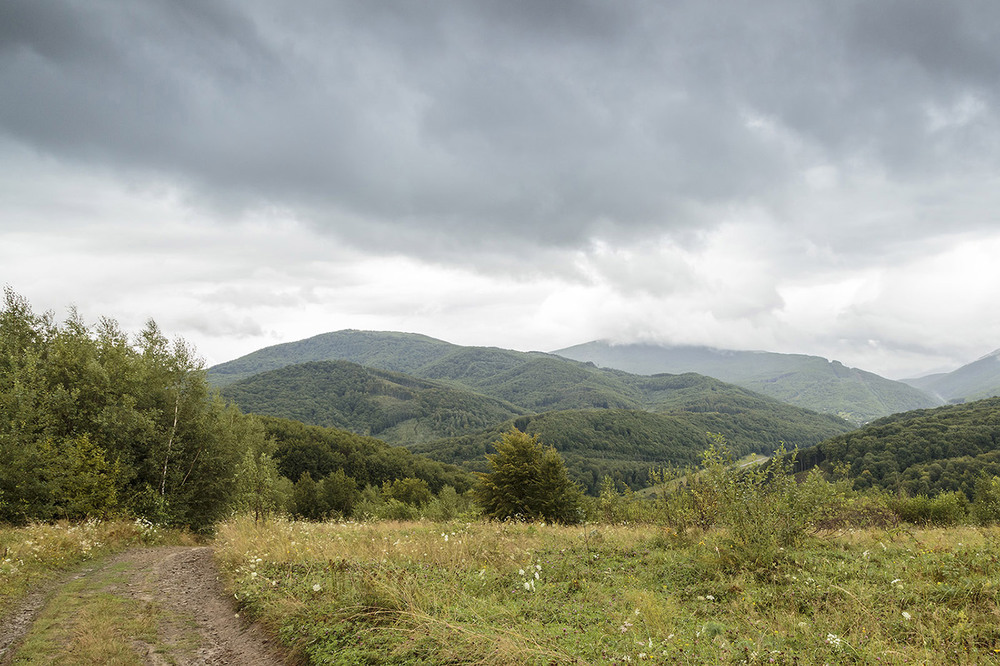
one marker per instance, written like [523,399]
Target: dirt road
[177,587]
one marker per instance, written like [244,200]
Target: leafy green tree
[80,480]
[257,475]
[339,493]
[305,499]
[986,504]
[527,481]
[414,492]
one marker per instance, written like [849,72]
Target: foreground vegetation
[503,593]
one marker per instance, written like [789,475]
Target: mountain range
[812,382]
[451,402]
[615,410]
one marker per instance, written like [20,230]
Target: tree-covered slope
[750,420]
[606,421]
[805,381]
[302,448]
[396,352]
[626,444]
[623,444]
[924,451]
[973,381]
[392,406]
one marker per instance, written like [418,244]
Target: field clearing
[506,593]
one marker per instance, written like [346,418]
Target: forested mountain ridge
[604,421]
[924,451]
[391,406]
[973,381]
[806,381]
[395,352]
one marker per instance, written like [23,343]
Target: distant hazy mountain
[979,379]
[806,381]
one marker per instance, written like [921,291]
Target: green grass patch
[419,593]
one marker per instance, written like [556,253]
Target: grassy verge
[32,554]
[413,593]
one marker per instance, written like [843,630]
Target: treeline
[923,452]
[94,423]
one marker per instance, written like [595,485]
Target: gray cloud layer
[802,175]
[459,123]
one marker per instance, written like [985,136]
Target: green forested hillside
[392,406]
[396,352]
[301,448]
[622,444]
[921,452]
[604,421]
[626,443]
[749,420]
[805,381]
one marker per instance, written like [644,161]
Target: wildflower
[710,597]
[520,572]
[906,616]
[317,587]
[834,640]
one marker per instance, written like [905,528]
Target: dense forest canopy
[926,451]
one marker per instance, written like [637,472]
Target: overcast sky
[798,176]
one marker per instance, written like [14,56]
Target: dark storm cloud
[462,122]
